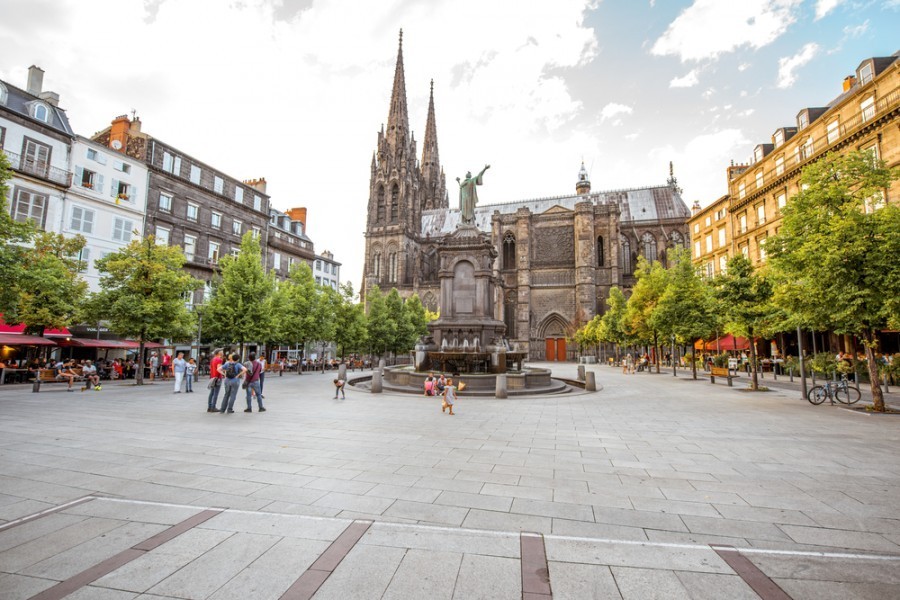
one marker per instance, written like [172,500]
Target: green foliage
[612,324]
[686,308]
[350,331]
[404,333]
[14,236]
[50,289]
[652,281]
[382,327]
[239,309]
[142,289]
[296,302]
[417,317]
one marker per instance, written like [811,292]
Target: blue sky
[296,90]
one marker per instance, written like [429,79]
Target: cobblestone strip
[535,572]
[764,587]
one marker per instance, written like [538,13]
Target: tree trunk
[656,350]
[875,384]
[754,380]
[139,371]
[694,357]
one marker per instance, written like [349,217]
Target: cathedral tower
[435,182]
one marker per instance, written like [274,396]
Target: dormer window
[757,154]
[41,113]
[778,138]
[3,93]
[866,73]
[802,120]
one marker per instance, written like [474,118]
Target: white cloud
[709,28]
[743,67]
[788,64]
[746,113]
[700,165]
[686,81]
[851,31]
[611,112]
[823,7]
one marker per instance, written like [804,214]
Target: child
[449,396]
[189,371]
[339,387]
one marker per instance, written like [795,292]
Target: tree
[687,309]
[652,280]
[382,328]
[350,323]
[835,257]
[298,295]
[418,317]
[14,236]
[612,324]
[745,299]
[50,289]
[404,333]
[142,290]
[239,307]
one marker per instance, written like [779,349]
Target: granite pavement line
[764,587]
[44,513]
[312,579]
[535,572]
[88,576]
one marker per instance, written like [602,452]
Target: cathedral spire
[398,118]
[430,147]
[432,173]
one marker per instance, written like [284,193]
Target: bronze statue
[468,197]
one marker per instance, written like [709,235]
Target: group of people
[444,387]
[230,373]
[630,364]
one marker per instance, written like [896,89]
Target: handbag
[213,383]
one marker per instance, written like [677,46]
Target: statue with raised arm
[468,197]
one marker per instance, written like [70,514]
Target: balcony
[39,169]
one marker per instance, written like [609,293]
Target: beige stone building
[556,257]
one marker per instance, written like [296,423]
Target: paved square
[630,487]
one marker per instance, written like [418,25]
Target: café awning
[724,344]
[20,339]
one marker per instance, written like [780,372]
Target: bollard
[36,386]
[377,386]
[342,372]
[729,380]
[381,364]
[590,382]
[886,379]
[712,378]
[580,372]
[792,374]
[500,389]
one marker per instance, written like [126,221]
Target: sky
[296,90]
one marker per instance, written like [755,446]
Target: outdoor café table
[17,374]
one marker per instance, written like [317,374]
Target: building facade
[287,242]
[327,271]
[557,257]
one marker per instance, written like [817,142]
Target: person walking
[154,365]
[262,374]
[449,396]
[166,365]
[179,366]
[253,368]
[189,369]
[231,370]
[215,381]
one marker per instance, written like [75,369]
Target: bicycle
[840,391]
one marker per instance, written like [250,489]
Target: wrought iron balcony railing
[39,168]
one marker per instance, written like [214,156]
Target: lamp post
[802,363]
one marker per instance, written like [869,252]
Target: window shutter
[114,187]
[132,193]
[177,170]
[79,174]
[75,221]
[87,221]
[99,183]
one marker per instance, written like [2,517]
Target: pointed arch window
[395,203]
[509,251]
[601,259]
[379,205]
[648,247]
[625,256]
[376,265]
[677,240]
[392,267]
[509,314]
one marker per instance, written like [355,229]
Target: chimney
[695,208]
[35,80]
[136,125]
[849,82]
[298,214]
[118,132]
[257,184]
[50,98]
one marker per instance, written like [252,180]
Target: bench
[49,376]
[719,371]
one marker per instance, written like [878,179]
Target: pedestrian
[189,369]
[91,379]
[154,365]
[215,381]
[339,387]
[429,385]
[262,375]
[449,396]
[629,363]
[253,369]
[440,384]
[166,365]
[179,366]
[231,370]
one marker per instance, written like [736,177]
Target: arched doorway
[553,331]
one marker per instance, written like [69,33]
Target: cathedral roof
[635,205]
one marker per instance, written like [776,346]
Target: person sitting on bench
[64,372]
[91,378]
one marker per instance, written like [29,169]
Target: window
[708,221]
[190,247]
[802,120]
[709,243]
[721,237]
[213,254]
[121,190]
[600,258]
[171,163]
[276,261]
[696,227]
[779,165]
[781,200]
[648,245]
[625,256]
[395,204]
[807,150]
[318,280]
[376,265]
[28,205]
[2,135]
[238,194]
[778,138]
[677,240]
[88,179]
[334,269]
[720,214]
[216,220]
[162,235]
[745,251]
[723,263]
[759,179]
[318,265]
[122,230]
[760,214]
[165,202]
[257,202]
[195,174]
[237,228]
[697,251]
[710,269]
[380,206]
[392,266]
[235,252]
[757,154]
[218,184]
[865,73]
[121,166]
[95,156]
[41,113]
[742,223]
[761,243]
[509,250]
[833,131]
[290,263]
[742,190]
[82,220]
[193,211]
[84,260]
[256,231]
[867,108]
[35,158]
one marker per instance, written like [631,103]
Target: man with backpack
[231,370]
[254,369]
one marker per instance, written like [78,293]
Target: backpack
[232,369]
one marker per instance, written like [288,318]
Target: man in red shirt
[215,381]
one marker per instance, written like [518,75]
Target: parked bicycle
[841,391]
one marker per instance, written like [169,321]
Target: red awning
[92,343]
[18,339]
[724,344]
[20,328]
